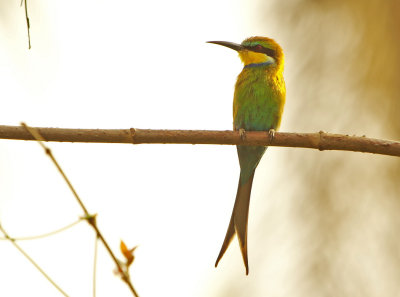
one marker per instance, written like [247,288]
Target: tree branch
[91,219]
[32,261]
[321,140]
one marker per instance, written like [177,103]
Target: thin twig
[43,235]
[28,25]
[32,261]
[95,265]
[39,138]
[319,140]
[91,219]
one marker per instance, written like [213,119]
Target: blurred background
[321,223]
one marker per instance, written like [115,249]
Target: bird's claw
[242,133]
[271,135]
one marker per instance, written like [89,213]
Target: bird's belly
[258,114]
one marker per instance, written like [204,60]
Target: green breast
[259,99]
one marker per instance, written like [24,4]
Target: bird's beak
[234,46]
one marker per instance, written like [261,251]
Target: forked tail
[238,222]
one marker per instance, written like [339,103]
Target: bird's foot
[271,135]
[242,133]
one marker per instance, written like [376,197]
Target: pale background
[321,223]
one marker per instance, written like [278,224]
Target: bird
[258,103]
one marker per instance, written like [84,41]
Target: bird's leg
[271,134]
[242,133]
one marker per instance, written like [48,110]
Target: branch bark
[320,140]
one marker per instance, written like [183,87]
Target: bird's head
[256,51]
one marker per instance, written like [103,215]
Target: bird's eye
[258,47]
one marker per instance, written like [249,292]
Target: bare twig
[32,261]
[91,219]
[28,25]
[43,235]
[319,140]
[96,241]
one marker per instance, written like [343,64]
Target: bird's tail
[238,222]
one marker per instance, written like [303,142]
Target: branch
[91,219]
[42,235]
[28,25]
[321,140]
[32,261]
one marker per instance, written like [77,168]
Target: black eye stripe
[261,49]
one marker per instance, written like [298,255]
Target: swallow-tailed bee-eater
[257,106]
